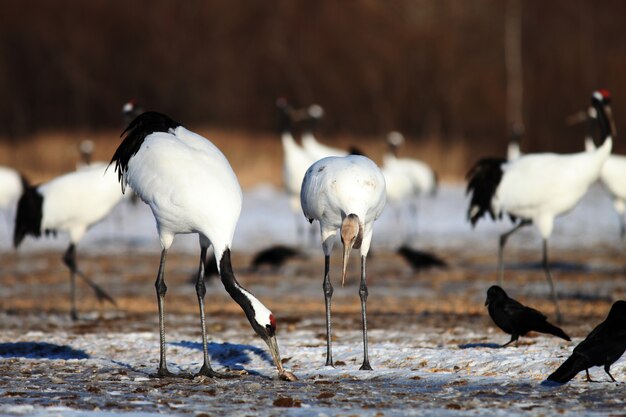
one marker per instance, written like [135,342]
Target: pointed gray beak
[346,255]
[273,346]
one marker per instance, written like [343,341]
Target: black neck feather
[28,216]
[235,290]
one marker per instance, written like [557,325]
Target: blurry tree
[425,67]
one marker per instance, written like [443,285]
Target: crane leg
[206,369]
[363,295]
[69,259]
[546,267]
[503,238]
[161,289]
[328,293]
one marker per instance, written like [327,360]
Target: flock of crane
[190,187]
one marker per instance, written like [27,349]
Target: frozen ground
[432,345]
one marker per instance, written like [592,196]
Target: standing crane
[536,188]
[346,193]
[71,203]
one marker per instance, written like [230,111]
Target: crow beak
[487,302]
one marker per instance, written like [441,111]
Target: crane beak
[351,236]
[609,115]
[272,344]
[347,247]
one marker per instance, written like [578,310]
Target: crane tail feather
[482,182]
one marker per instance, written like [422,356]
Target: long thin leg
[606,369]
[328,293]
[503,238]
[546,267]
[69,259]
[161,289]
[514,338]
[588,377]
[363,294]
[206,369]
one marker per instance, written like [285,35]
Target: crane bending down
[70,203]
[346,193]
[190,188]
[535,188]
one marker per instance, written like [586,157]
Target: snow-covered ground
[433,349]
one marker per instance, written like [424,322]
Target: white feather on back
[189,185]
[10,186]
[77,200]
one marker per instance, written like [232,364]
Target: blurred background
[452,75]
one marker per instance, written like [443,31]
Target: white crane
[535,188]
[346,193]
[407,179]
[12,185]
[295,161]
[70,203]
[312,146]
[190,188]
[613,171]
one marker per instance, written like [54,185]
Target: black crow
[419,259]
[515,318]
[603,346]
[274,256]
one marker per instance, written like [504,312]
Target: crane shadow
[230,355]
[40,350]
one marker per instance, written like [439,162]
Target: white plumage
[11,187]
[346,193]
[190,188]
[536,188]
[76,201]
[406,179]
[311,145]
[71,203]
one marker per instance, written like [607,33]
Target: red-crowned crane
[406,179]
[70,203]
[535,188]
[312,146]
[346,193]
[295,161]
[612,175]
[190,188]
[12,185]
